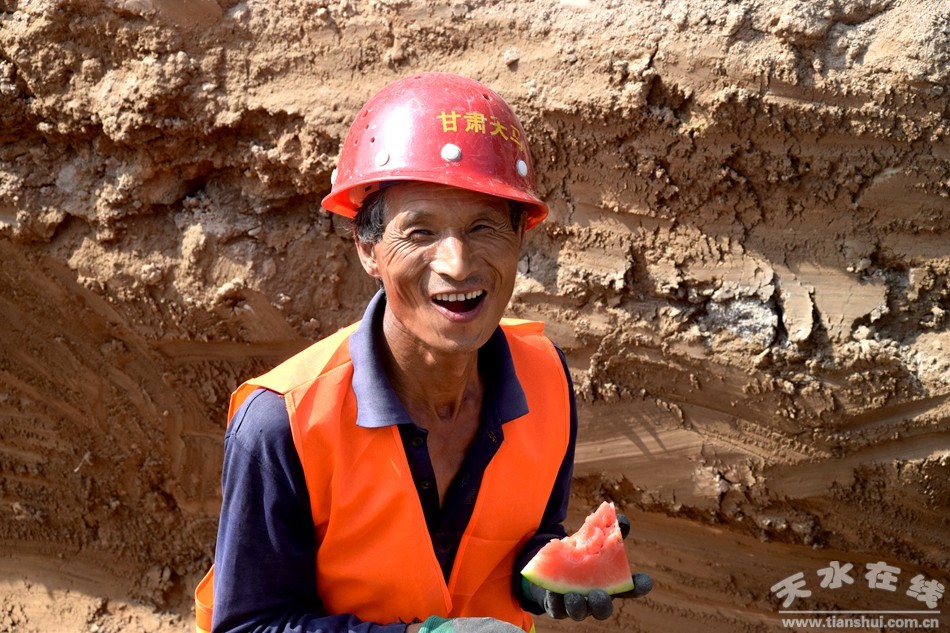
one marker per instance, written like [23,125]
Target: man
[397,475]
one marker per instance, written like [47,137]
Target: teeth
[459,296]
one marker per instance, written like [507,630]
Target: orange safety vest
[374,556]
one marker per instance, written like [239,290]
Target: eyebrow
[413,215]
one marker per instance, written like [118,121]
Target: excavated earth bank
[746,263]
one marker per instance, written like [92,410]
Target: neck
[435,387]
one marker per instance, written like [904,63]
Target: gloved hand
[598,603]
[435,624]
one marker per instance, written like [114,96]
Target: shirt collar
[377,402]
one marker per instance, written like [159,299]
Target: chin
[446,342]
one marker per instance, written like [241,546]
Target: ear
[367,254]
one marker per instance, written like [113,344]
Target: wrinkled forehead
[425,196]
[442,207]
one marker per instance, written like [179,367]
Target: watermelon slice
[591,558]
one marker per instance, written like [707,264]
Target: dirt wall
[746,264]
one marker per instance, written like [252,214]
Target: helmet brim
[346,202]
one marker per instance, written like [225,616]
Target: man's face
[447,260]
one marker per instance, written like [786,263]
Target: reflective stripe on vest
[374,555]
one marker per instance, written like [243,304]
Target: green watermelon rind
[563,588]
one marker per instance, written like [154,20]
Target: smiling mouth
[459,302]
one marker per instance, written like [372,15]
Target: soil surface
[746,263]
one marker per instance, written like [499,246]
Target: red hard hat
[440,128]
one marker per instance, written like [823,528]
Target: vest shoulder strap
[522,325]
[312,361]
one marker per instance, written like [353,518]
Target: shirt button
[418,441]
[492,437]
[425,485]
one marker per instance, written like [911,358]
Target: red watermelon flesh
[592,558]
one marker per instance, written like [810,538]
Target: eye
[417,235]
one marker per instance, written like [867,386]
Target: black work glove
[598,603]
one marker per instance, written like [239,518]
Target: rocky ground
[746,264]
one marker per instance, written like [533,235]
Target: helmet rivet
[333,176]
[382,158]
[522,168]
[451,153]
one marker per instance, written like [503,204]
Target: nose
[452,258]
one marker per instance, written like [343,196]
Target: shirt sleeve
[265,557]
[552,521]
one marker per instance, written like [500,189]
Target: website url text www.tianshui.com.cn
[875,622]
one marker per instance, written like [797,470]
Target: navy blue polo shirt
[265,578]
